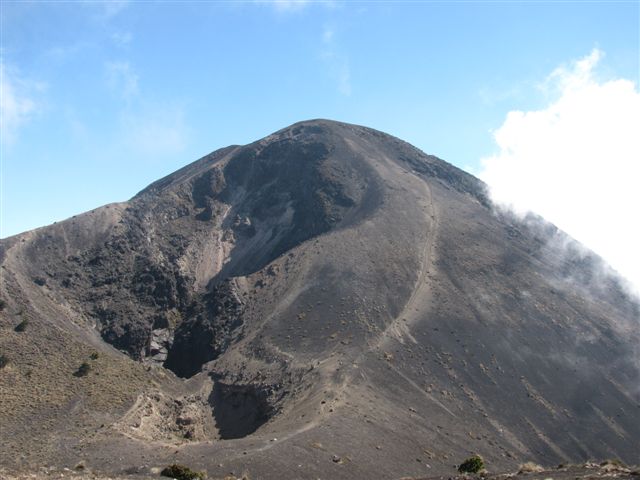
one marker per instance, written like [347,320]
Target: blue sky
[101,98]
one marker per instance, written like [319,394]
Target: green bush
[472,465]
[22,326]
[180,472]
[83,370]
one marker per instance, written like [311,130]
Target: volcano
[327,302]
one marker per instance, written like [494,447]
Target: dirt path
[399,328]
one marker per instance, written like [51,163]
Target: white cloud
[17,102]
[122,79]
[577,162]
[336,62]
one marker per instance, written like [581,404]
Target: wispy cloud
[156,130]
[491,96]
[147,128]
[18,102]
[60,54]
[107,9]
[336,62]
[288,6]
[285,5]
[122,79]
[122,39]
[574,76]
[327,36]
[577,161]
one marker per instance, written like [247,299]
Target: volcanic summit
[327,302]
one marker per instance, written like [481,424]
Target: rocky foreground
[528,471]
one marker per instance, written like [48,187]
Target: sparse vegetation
[22,326]
[83,370]
[2,304]
[530,467]
[4,360]
[472,465]
[180,472]
[94,356]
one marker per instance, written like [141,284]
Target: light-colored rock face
[159,345]
[329,287]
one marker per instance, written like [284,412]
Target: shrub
[2,304]
[83,370]
[4,360]
[22,326]
[180,472]
[94,356]
[530,467]
[472,465]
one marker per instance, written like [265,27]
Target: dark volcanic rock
[209,329]
[240,409]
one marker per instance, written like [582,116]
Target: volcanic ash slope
[327,302]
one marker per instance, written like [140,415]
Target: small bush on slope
[180,472]
[472,465]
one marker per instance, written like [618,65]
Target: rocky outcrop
[212,324]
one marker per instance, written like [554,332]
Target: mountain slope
[332,298]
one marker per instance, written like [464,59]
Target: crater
[240,410]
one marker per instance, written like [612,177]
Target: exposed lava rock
[211,326]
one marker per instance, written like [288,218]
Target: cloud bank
[577,162]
